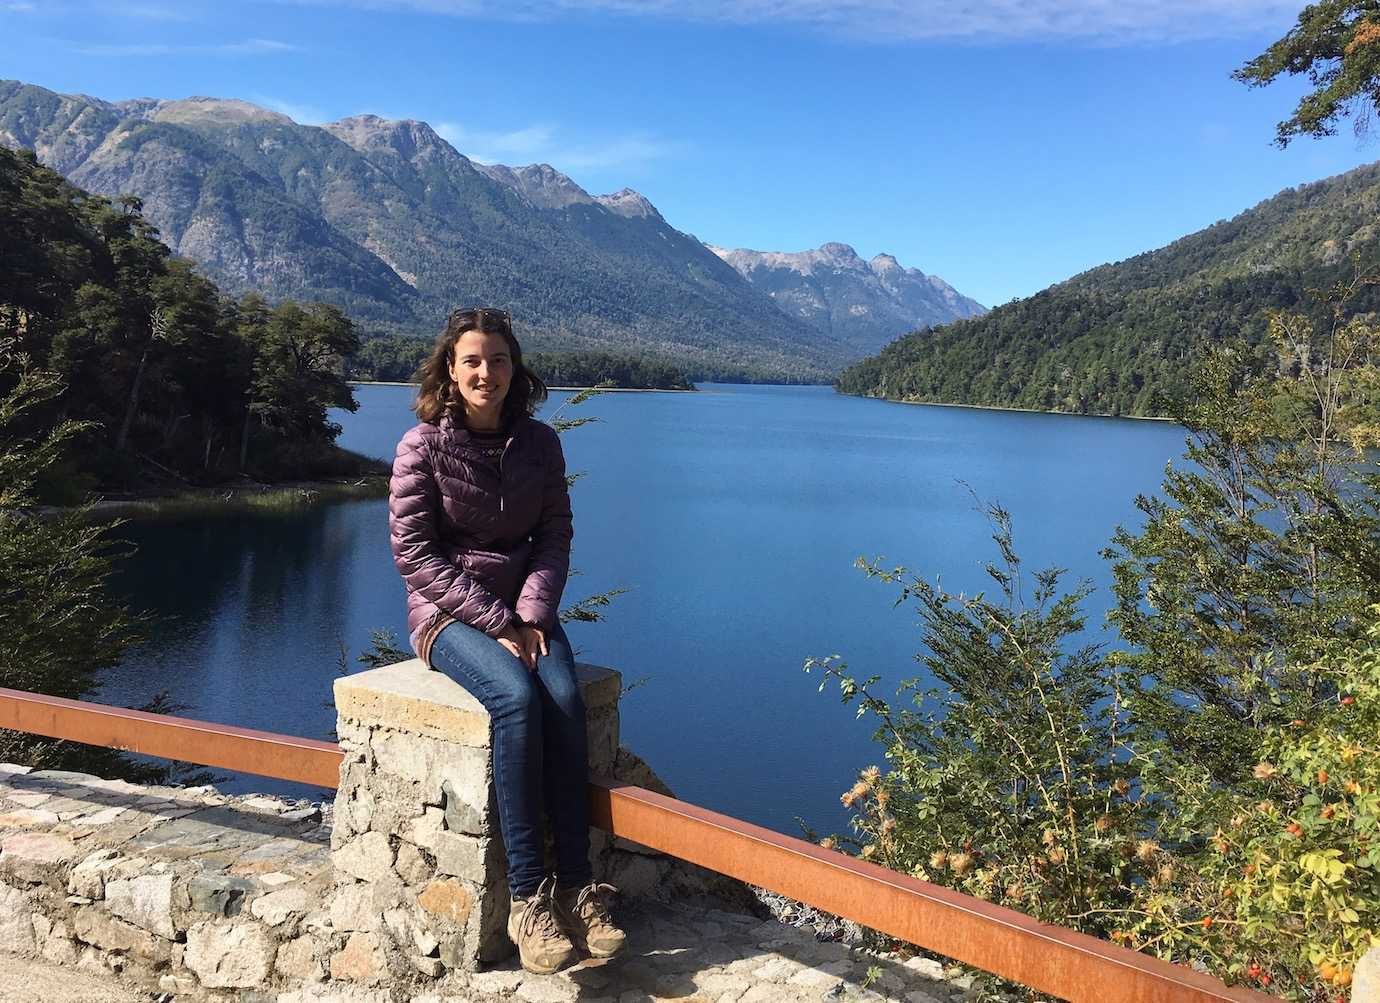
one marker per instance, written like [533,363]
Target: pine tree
[58,626]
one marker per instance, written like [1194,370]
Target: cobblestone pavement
[113,892]
[26,981]
[704,956]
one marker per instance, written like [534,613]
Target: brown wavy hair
[439,396]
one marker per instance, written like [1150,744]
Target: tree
[1283,886]
[1007,783]
[298,354]
[1263,550]
[1336,43]
[1205,791]
[58,628]
[156,364]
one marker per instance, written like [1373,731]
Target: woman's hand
[524,642]
[512,639]
[533,644]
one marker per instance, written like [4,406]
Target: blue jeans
[539,749]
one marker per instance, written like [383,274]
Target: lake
[732,516]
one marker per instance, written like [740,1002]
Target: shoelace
[538,915]
[592,895]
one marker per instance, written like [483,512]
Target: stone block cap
[409,696]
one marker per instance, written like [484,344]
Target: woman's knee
[489,671]
[518,698]
[563,692]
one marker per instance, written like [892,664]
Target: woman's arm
[413,505]
[549,564]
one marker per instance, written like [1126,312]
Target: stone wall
[419,865]
[183,890]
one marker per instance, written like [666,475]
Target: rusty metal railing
[259,752]
[1047,958]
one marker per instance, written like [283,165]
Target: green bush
[1209,791]
[1007,783]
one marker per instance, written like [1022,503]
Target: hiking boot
[584,915]
[542,946]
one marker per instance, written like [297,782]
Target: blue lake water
[733,516]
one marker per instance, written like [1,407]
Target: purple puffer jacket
[474,544]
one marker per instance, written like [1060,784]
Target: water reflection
[250,614]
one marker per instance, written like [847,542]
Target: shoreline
[285,496]
[602,390]
[841,393]
[1022,410]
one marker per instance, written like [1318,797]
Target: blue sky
[1003,146]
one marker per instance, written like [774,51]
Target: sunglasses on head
[481,311]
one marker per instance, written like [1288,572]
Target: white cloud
[257,45]
[514,146]
[151,12]
[304,114]
[622,152]
[1095,21]
[142,11]
[248,47]
[544,144]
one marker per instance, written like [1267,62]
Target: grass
[270,498]
[287,479]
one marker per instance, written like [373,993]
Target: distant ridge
[388,221]
[1120,338]
[864,303]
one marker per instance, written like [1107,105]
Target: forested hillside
[396,359]
[1118,339]
[387,221]
[178,383]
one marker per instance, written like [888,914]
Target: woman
[479,517]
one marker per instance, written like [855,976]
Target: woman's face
[483,370]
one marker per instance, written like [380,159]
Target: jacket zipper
[500,472]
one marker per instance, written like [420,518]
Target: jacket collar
[456,430]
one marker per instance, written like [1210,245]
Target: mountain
[388,221]
[864,303]
[1119,338]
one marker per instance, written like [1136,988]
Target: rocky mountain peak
[204,111]
[541,184]
[363,125]
[841,252]
[133,108]
[832,288]
[406,136]
[626,202]
[387,221]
